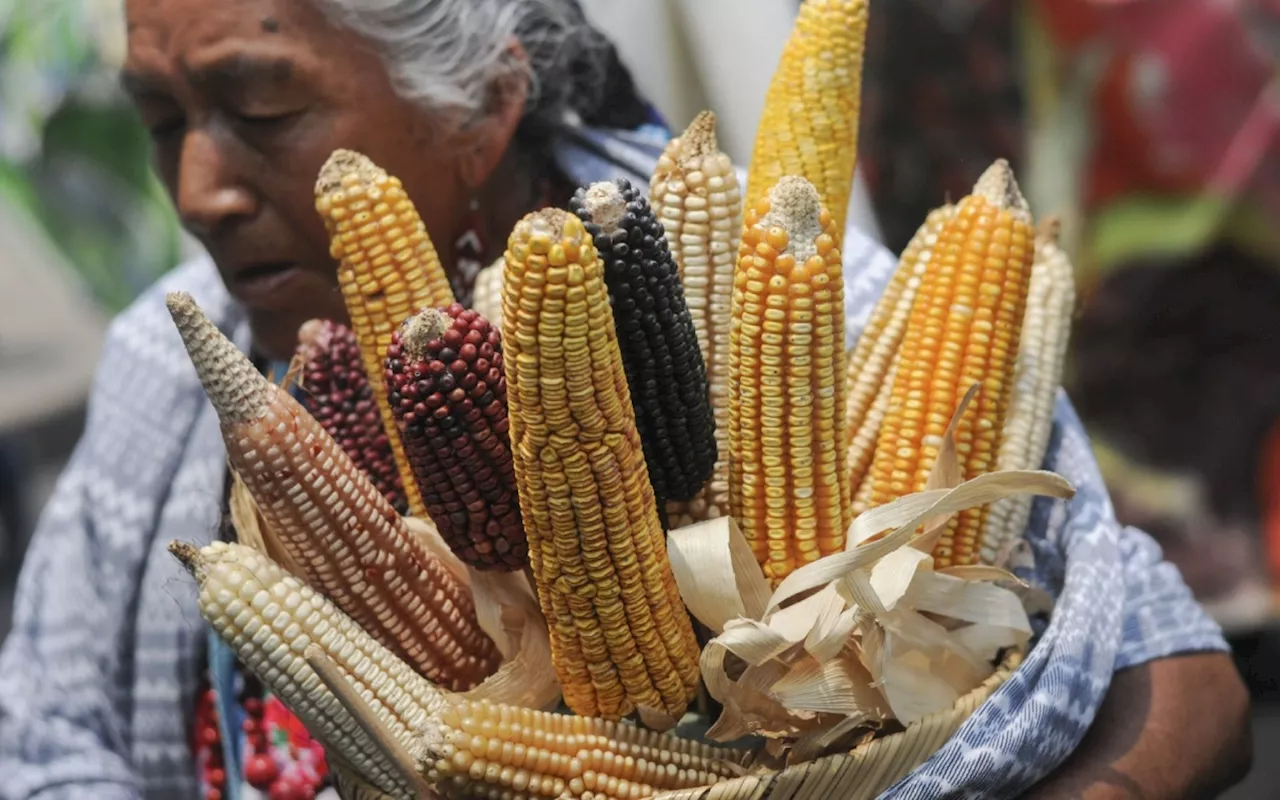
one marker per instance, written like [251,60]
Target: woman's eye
[166,128]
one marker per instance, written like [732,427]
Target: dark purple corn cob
[445,385]
[336,390]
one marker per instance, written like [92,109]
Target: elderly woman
[486,109]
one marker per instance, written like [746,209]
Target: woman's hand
[1176,727]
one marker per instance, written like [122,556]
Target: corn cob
[963,329]
[330,518]
[621,639]
[388,269]
[660,356]
[444,374]
[786,385]
[870,363]
[474,749]
[695,194]
[271,618]
[486,296]
[337,392]
[1042,351]
[809,126]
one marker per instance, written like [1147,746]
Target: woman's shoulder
[144,366]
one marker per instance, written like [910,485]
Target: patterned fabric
[98,679]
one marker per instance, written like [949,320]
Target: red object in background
[1186,102]
[1269,490]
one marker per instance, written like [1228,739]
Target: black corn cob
[446,388]
[660,353]
[336,390]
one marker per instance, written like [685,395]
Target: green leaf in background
[73,152]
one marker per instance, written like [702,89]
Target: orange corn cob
[786,382]
[964,329]
[332,520]
[388,269]
[873,358]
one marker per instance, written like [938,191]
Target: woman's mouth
[267,286]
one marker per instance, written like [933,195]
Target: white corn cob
[486,294]
[695,194]
[1042,351]
[863,446]
[271,619]
[477,749]
[869,374]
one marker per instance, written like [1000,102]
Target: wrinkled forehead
[192,31]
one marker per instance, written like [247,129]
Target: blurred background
[1151,127]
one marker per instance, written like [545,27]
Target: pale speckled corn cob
[695,193]
[332,520]
[486,295]
[1042,352]
[786,385]
[621,638]
[475,749]
[271,618]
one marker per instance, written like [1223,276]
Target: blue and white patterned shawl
[97,680]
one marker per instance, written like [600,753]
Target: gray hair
[448,55]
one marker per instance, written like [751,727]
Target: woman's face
[245,99]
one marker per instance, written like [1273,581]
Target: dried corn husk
[859,638]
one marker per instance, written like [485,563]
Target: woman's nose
[210,192]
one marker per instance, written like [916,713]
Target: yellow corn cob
[866,393]
[388,270]
[964,329]
[809,126]
[486,296]
[474,749]
[786,384]
[695,194]
[330,518]
[271,618]
[1042,352]
[620,636]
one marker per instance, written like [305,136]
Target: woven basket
[866,771]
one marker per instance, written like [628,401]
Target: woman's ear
[484,144]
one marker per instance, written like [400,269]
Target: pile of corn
[634,362]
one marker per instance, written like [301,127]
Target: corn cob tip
[239,393]
[551,222]
[794,206]
[343,164]
[1049,230]
[699,139]
[419,331]
[603,205]
[188,556]
[999,187]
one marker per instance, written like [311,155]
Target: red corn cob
[445,385]
[336,391]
